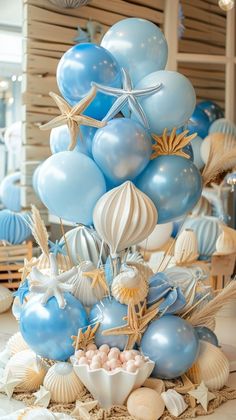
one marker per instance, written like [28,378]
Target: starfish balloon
[72,116]
[42,396]
[127,96]
[56,247]
[53,284]
[82,409]
[202,395]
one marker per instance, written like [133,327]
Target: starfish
[137,323]
[171,144]
[127,96]
[53,284]
[187,385]
[72,116]
[82,409]
[22,291]
[98,277]
[56,247]
[82,340]
[8,383]
[26,270]
[202,395]
[43,397]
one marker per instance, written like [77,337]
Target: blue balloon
[173,183]
[208,335]
[10,191]
[35,179]
[79,67]
[13,227]
[110,313]
[122,149]
[138,45]
[212,109]
[60,139]
[189,150]
[69,185]
[199,123]
[172,105]
[172,344]
[47,329]
[196,147]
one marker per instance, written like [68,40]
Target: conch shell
[129,286]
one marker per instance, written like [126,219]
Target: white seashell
[63,383]
[6,299]
[226,242]
[144,270]
[212,367]
[16,344]
[111,388]
[134,257]
[129,286]
[82,285]
[157,384]
[186,247]
[28,369]
[63,262]
[202,208]
[174,402]
[36,413]
[145,404]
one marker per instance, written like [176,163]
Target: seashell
[37,413]
[156,384]
[63,262]
[145,404]
[63,383]
[129,286]
[69,4]
[83,291]
[202,208]
[6,299]
[111,388]
[186,248]
[226,242]
[28,368]
[174,402]
[16,344]
[134,257]
[212,367]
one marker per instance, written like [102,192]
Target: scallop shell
[6,299]
[16,344]
[212,367]
[174,402]
[28,368]
[82,285]
[186,247]
[63,262]
[63,383]
[129,286]
[226,242]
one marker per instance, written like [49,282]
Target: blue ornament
[199,123]
[223,126]
[13,227]
[35,179]
[10,191]
[79,67]
[60,139]
[110,314]
[173,183]
[122,149]
[22,292]
[173,302]
[57,247]
[208,335]
[47,329]
[159,288]
[172,344]
[212,109]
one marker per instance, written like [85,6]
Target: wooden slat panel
[188,46]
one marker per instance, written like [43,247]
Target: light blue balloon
[170,106]
[138,45]
[222,125]
[122,149]
[69,185]
[79,67]
[205,334]
[110,313]
[35,179]
[13,227]
[10,191]
[196,146]
[172,343]
[60,139]
[173,183]
[47,329]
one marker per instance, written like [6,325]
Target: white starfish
[8,383]
[43,397]
[53,284]
[82,409]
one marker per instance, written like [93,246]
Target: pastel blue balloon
[35,179]
[47,329]
[196,147]
[223,126]
[172,343]
[110,313]
[138,45]
[69,185]
[199,123]
[172,105]
[122,149]
[212,109]
[173,183]
[83,64]
[10,191]
[205,334]
[13,227]
[60,139]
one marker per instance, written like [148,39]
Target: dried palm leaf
[171,144]
[39,230]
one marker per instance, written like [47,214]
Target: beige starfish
[171,144]
[81,340]
[72,116]
[28,265]
[187,385]
[82,409]
[98,277]
[202,395]
[42,396]
[137,323]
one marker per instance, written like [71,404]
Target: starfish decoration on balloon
[84,338]
[53,284]
[171,144]
[98,278]
[28,265]
[22,291]
[56,247]
[72,116]
[127,96]
[137,323]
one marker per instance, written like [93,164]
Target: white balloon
[196,146]
[13,137]
[158,238]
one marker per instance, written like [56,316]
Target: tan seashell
[212,367]
[28,368]
[63,383]
[16,344]
[129,286]
[145,404]
[63,261]
[174,402]
[226,242]
[6,299]
[186,247]
[155,384]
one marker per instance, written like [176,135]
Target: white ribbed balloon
[6,299]
[226,242]
[124,216]
[186,247]
[228,139]
[63,262]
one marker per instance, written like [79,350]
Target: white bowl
[111,388]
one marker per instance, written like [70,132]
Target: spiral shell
[63,383]
[226,242]
[144,270]
[129,286]
[16,344]
[174,402]
[212,367]
[63,262]
[28,369]
[6,299]
[186,248]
